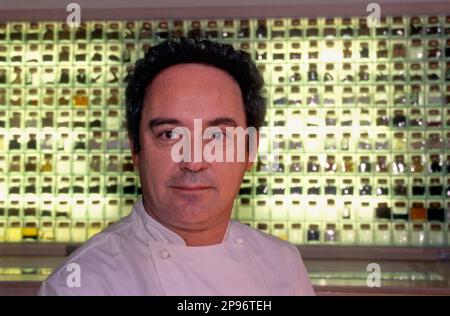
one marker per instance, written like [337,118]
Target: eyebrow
[171,121]
[162,121]
[223,121]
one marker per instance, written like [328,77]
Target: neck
[212,235]
[203,237]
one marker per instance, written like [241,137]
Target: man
[179,239]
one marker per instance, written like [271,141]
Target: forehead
[198,89]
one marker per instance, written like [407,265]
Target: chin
[192,215]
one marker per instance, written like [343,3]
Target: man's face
[189,195]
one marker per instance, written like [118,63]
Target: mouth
[191,188]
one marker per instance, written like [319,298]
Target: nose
[196,162]
[193,166]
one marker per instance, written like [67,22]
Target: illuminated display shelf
[355,149]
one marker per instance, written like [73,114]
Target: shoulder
[83,272]
[278,260]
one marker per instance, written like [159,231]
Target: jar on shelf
[381,142]
[365,165]
[331,233]
[295,28]
[400,188]
[313,233]
[418,212]
[436,234]
[382,188]
[382,164]
[382,118]
[418,187]
[418,234]
[415,26]
[330,164]
[365,187]
[399,164]
[400,211]
[347,165]
[400,234]
[365,234]
[399,141]
[417,164]
[436,212]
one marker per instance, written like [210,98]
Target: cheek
[230,176]
[153,162]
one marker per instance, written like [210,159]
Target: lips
[191,188]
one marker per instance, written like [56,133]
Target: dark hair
[181,50]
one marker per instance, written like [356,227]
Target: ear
[134,155]
[252,151]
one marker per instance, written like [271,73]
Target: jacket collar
[159,232]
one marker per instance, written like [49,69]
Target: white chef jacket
[139,256]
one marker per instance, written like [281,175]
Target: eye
[169,135]
[215,135]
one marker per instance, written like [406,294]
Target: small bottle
[436,165]
[313,164]
[312,73]
[30,232]
[313,233]
[383,211]
[418,212]
[330,164]
[345,141]
[47,166]
[331,233]
[365,165]
[366,188]
[436,212]
[418,187]
[347,210]
[348,164]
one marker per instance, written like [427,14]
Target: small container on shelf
[296,210]
[435,234]
[331,234]
[365,234]
[313,233]
[435,212]
[280,230]
[400,211]
[313,209]
[14,230]
[263,226]
[365,210]
[245,209]
[278,208]
[228,30]
[400,234]
[94,227]
[78,232]
[330,211]
[295,28]
[383,233]
[46,230]
[296,233]
[348,234]
[30,230]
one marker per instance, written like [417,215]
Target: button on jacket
[140,256]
